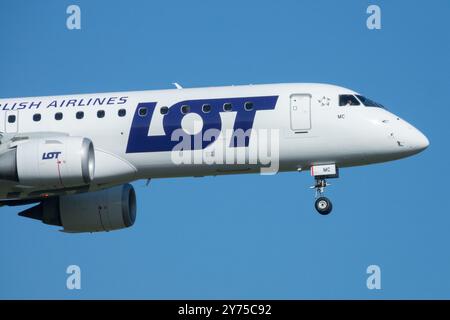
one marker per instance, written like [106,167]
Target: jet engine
[56,162]
[104,210]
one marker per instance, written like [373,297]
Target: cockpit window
[369,103]
[348,100]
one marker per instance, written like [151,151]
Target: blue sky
[246,236]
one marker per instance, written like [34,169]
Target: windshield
[369,103]
[348,100]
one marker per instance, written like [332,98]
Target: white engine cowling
[105,210]
[56,162]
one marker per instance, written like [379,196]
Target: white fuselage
[306,120]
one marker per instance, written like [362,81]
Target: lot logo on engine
[50,155]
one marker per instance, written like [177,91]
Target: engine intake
[104,210]
[55,162]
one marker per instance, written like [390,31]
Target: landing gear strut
[321,173]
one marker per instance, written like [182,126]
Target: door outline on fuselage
[300,112]
[11,127]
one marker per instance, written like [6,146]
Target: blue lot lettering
[140,141]
[50,155]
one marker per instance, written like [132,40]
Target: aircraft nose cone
[419,141]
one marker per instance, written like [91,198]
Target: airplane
[73,157]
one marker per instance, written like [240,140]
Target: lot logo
[50,155]
[207,112]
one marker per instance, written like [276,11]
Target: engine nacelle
[104,210]
[55,162]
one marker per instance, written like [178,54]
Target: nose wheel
[323,205]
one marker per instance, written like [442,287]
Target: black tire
[323,205]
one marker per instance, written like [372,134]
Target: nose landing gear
[320,173]
[323,204]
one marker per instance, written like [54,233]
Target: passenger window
[11,118]
[100,113]
[142,112]
[37,117]
[227,107]
[164,110]
[206,108]
[248,106]
[122,112]
[348,100]
[58,116]
[185,109]
[79,115]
